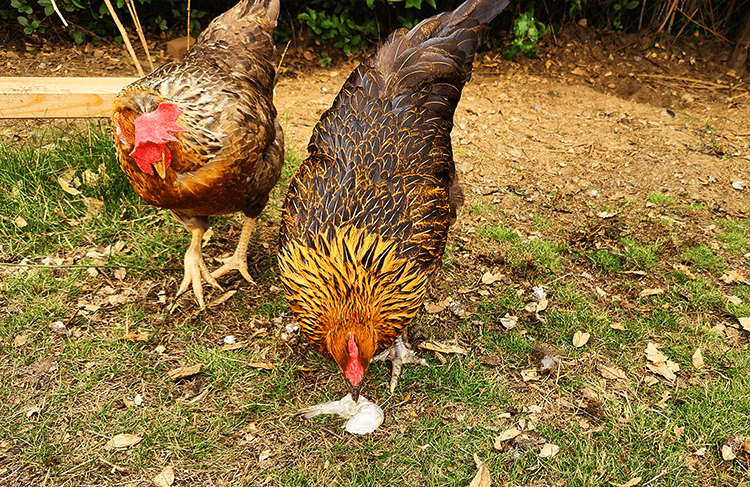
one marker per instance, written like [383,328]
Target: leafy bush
[526,34]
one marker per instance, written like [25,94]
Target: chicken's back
[381,169]
[230,155]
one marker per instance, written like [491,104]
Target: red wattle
[354,371]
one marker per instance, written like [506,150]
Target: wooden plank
[58,97]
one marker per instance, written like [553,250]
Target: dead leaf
[631,482]
[138,337]
[223,298]
[67,187]
[700,451]
[578,72]
[549,450]
[182,372]
[120,273]
[509,321]
[260,365]
[490,278]
[617,326]
[122,441]
[436,346]
[727,453]
[165,478]
[698,359]
[264,455]
[482,478]
[653,354]
[506,435]
[734,300]
[529,375]
[20,340]
[663,370]
[580,338]
[606,214]
[733,276]
[650,292]
[600,292]
[683,269]
[20,222]
[744,323]
[93,205]
[611,373]
[29,411]
[434,308]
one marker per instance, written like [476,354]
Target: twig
[139,30]
[59,14]
[672,6]
[125,37]
[282,56]
[703,26]
[187,42]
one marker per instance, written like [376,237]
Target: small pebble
[230,340]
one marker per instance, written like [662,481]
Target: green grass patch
[661,199]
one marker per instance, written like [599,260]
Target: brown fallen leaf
[137,337]
[20,340]
[650,292]
[490,278]
[744,323]
[260,365]
[631,482]
[506,435]
[482,478]
[182,372]
[529,375]
[434,308]
[580,338]
[653,354]
[698,359]
[611,373]
[67,187]
[664,369]
[617,326]
[165,478]
[509,321]
[683,269]
[549,450]
[122,441]
[733,276]
[223,298]
[437,346]
[20,222]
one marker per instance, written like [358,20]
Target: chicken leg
[195,268]
[239,259]
[399,353]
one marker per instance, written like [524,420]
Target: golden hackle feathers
[350,279]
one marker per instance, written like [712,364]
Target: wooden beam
[58,97]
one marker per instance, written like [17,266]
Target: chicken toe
[238,261]
[195,269]
[399,353]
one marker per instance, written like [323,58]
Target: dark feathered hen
[199,136]
[367,215]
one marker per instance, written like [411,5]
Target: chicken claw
[195,268]
[363,416]
[238,261]
[399,353]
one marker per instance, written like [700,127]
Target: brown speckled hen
[199,136]
[366,218]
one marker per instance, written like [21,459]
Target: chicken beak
[161,167]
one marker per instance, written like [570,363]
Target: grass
[64,396]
